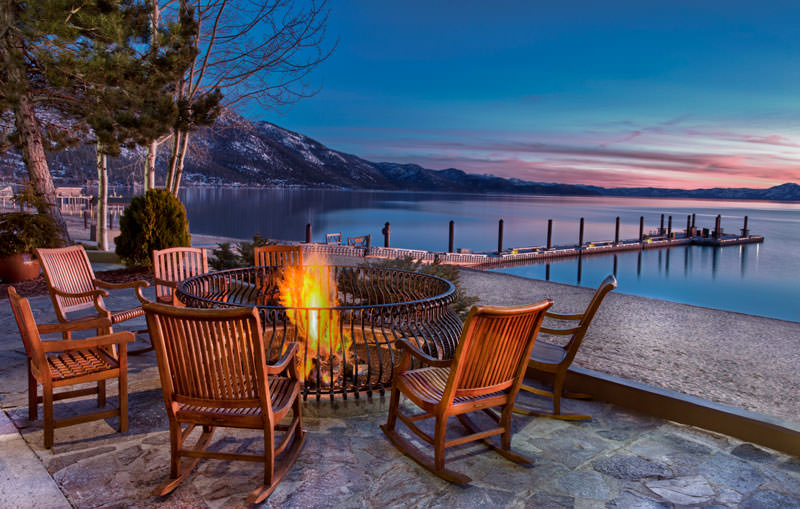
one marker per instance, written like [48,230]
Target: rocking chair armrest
[91,322]
[121,286]
[286,360]
[63,345]
[165,282]
[405,346]
[91,293]
[559,316]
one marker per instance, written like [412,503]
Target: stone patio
[619,459]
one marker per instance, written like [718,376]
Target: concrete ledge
[667,404]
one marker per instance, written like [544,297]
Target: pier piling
[451,237]
[641,228]
[717,227]
[500,236]
[745,231]
[694,225]
[386,232]
[688,225]
[308,233]
[616,231]
[580,235]
[661,227]
[669,226]
[549,233]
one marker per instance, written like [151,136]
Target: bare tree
[248,51]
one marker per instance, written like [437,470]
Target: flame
[313,286]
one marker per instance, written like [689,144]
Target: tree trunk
[179,169]
[173,159]
[102,199]
[150,166]
[152,147]
[30,138]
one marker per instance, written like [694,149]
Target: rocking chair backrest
[176,264]
[585,320]
[279,255]
[68,269]
[212,358]
[493,351]
[27,328]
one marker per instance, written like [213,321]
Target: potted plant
[20,234]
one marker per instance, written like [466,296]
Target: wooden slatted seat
[213,370]
[73,288]
[554,359]
[278,255]
[66,362]
[486,372]
[173,265]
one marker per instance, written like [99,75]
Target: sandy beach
[741,360]
[737,359]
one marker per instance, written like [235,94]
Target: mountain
[235,151]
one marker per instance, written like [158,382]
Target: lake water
[759,279]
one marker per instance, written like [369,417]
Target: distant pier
[662,237]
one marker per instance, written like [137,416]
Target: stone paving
[618,459]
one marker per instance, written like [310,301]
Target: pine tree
[94,76]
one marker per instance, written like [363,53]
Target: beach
[742,360]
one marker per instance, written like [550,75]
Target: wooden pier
[662,237]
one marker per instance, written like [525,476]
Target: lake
[758,279]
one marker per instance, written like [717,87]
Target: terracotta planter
[18,267]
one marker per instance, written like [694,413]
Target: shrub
[21,232]
[155,220]
[225,257]
[463,302]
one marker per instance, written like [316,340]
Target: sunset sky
[615,93]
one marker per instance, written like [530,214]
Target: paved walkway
[619,459]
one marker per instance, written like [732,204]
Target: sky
[610,93]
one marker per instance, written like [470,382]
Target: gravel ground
[741,360]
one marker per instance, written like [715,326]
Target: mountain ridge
[238,152]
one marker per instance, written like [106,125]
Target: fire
[313,286]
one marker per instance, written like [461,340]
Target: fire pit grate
[346,320]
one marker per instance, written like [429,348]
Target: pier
[662,237]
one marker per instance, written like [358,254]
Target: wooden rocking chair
[556,360]
[173,265]
[73,287]
[213,373]
[66,362]
[277,255]
[486,372]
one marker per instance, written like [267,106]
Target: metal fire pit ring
[377,306]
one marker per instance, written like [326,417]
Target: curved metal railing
[355,339]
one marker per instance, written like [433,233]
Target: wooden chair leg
[123,400]
[556,413]
[33,395]
[503,450]
[175,458]
[49,421]
[439,437]
[394,402]
[101,393]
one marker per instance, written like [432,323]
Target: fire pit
[347,320]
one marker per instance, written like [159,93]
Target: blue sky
[668,94]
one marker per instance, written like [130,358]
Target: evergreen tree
[93,75]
